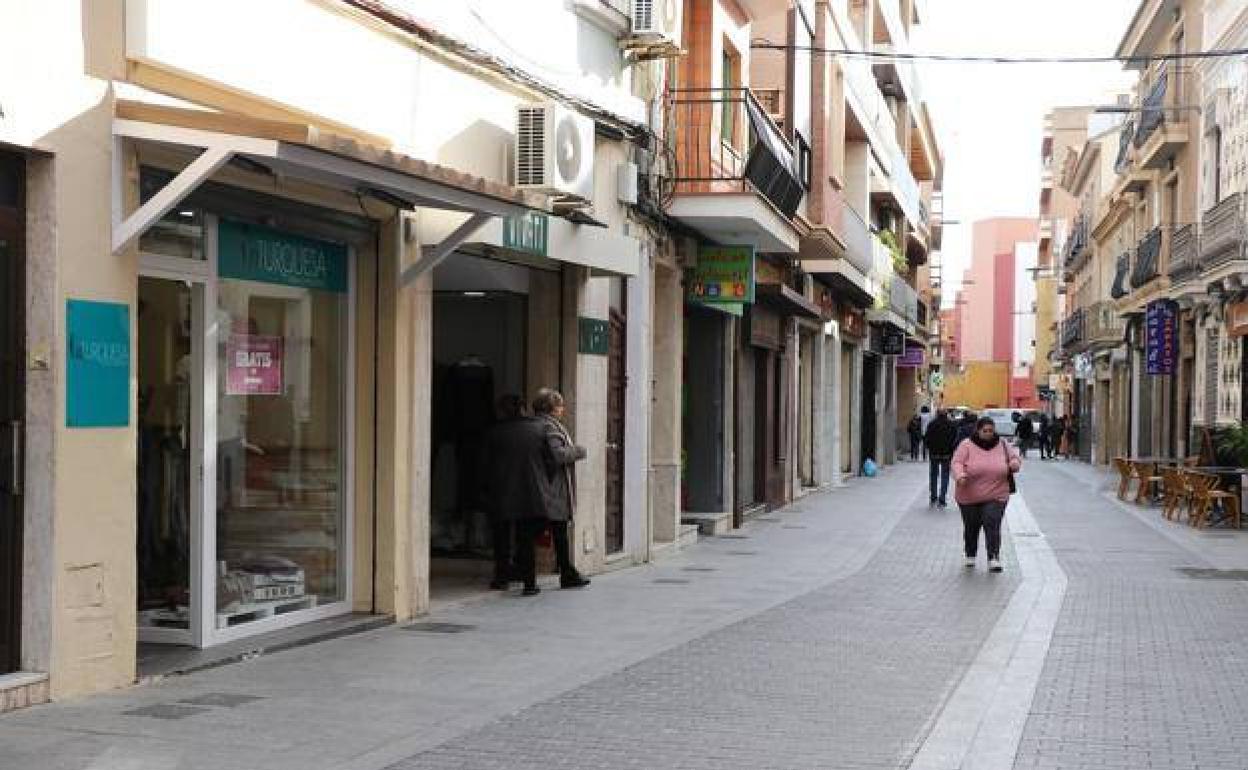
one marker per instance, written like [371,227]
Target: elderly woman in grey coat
[558,498]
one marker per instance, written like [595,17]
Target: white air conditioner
[657,21]
[554,150]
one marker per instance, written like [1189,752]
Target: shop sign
[97,364]
[1237,318]
[913,358]
[723,274]
[853,322]
[248,252]
[253,365]
[1083,366]
[893,343]
[765,272]
[765,331]
[1161,337]
[827,305]
[593,336]
[937,381]
[528,232]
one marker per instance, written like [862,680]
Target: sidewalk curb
[980,725]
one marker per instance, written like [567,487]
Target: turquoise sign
[97,365]
[256,253]
[528,232]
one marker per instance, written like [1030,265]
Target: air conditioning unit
[554,151]
[657,21]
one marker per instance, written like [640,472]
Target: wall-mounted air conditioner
[657,21]
[554,150]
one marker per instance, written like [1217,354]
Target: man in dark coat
[510,474]
[966,427]
[558,486]
[940,439]
[1024,432]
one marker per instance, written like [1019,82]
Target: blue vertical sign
[1161,343]
[97,364]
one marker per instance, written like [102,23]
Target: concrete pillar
[664,408]
[639,296]
[728,467]
[831,425]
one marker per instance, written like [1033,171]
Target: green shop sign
[97,364]
[723,274]
[250,252]
[593,336]
[528,232]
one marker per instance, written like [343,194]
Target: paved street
[841,633]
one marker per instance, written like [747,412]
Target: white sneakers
[970,561]
[994,565]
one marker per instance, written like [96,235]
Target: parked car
[1005,420]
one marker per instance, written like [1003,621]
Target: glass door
[169,455]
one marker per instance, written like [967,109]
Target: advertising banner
[253,365]
[723,274]
[250,252]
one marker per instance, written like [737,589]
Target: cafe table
[1232,475]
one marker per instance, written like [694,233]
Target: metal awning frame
[297,161]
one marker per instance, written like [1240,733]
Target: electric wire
[767,45]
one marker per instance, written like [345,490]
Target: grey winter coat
[558,482]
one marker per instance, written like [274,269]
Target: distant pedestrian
[1045,435]
[510,473]
[1024,433]
[1057,436]
[915,430]
[558,498]
[982,470]
[939,442]
[966,427]
[1071,436]
[926,415]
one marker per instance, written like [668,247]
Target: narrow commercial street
[842,632]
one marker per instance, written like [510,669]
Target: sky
[989,117]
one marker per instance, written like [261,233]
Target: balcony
[1046,229]
[1184,253]
[736,177]
[901,190]
[1162,131]
[1121,270]
[1077,252]
[1103,324]
[1223,233]
[1072,329]
[1147,257]
[903,300]
[848,264]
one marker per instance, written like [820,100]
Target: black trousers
[502,550]
[986,516]
[915,443]
[526,557]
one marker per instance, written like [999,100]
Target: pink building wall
[987,315]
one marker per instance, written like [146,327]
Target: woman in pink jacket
[981,471]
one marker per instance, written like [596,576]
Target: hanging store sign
[528,232]
[723,274]
[253,365]
[914,357]
[937,381]
[248,252]
[1161,337]
[97,364]
[893,343]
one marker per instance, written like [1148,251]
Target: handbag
[1009,474]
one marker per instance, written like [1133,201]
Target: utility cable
[767,45]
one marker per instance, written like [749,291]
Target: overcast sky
[989,116]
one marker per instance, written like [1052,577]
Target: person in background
[966,427]
[1071,436]
[915,430]
[510,469]
[1046,437]
[1024,432]
[558,497]
[926,415]
[981,470]
[939,442]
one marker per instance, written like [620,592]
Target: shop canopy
[304,152]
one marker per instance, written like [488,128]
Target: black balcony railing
[1224,229]
[1147,257]
[1152,110]
[1072,328]
[1124,147]
[1076,245]
[1184,252]
[1123,268]
[724,142]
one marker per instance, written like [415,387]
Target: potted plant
[1232,443]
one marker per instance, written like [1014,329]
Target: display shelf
[245,613]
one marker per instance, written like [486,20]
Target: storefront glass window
[180,233]
[281,437]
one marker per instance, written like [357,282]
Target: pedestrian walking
[926,415]
[1024,433]
[558,492]
[1057,430]
[966,427]
[915,430]
[939,442]
[983,470]
[1045,435]
[511,467]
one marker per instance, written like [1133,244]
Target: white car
[1003,419]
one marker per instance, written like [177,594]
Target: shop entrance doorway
[12,405]
[870,407]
